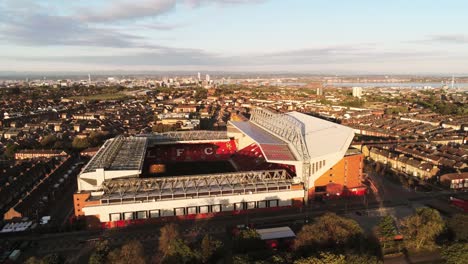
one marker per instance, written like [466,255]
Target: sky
[307,36]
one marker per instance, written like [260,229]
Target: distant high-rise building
[207,77]
[357,92]
[319,91]
[199,76]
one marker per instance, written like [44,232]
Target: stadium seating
[248,158]
[251,158]
[213,151]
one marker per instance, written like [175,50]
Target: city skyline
[235,35]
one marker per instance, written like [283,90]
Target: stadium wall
[346,174]
[168,208]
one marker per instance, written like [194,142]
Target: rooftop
[120,153]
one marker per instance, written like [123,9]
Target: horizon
[260,36]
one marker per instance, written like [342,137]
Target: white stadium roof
[323,137]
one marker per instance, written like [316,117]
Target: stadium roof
[323,137]
[120,153]
[185,136]
[306,136]
[272,146]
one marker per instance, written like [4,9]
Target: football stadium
[269,162]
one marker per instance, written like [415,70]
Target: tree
[179,252]
[11,149]
[100,253]
[130,253]
[33,260]
[248,240]
[97,138]
[329,230]
[209,248]
[456,253]
[53,259]
[421,229]
[80,143]
[48,141]
[240,259]
[457,225]
[169,233]
[362,259]
[324,258]
[386,229]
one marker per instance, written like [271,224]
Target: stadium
[269,162]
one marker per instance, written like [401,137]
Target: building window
[239,206]
[141,215]
[273,203]
[216,208]
[167,213]
[128,216]
[204,209]
[227,207]
[179,211]
[250,205]
[115,217]
[320,188]
[192,210]
[154,213]
[262,204]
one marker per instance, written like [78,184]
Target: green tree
[130,253]
[169,233]
[180,252]
[362,259]
[457,225]
[324,258]
[248,240]
[53,259]
[100,253]
[97,138]
[456,253]
[33,260]
[209,248]
[421,229]
[329,230]
[80,143]
[241,259]
[11,149]
[386,229]
[48,141]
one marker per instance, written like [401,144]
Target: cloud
[168,56]
[451,38]
[442,38]
[128,10]
[198,3]
[139,9]
[45,30]
[26,22]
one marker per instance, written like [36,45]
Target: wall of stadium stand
[344,178]
[107,215]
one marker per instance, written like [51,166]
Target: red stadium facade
[258,165]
